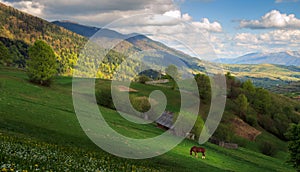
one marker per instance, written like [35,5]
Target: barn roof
[166,119]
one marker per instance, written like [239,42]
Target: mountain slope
[152,52]
[46,127]
[287,58]
[19,30]
[17,25]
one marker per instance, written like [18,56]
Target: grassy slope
[46,116]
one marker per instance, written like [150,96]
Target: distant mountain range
[19,31]
[252,64]
[86,31]
[287,58]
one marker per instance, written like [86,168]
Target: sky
[207,28]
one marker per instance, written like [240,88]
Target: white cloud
[186,17]
[101,13]
[282,1]
[272,41]
[173,13]
[273,19]
[207,25]
[31,7]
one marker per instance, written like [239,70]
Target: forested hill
[17,26]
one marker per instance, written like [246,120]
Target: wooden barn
[165,121]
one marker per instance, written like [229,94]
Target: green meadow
[39,131]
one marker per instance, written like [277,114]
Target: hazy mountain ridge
[287,58]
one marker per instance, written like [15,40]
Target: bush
[267,148]
[104,98]
[141,104]
[240,141]
[224,133]
[143,79]
[251,120]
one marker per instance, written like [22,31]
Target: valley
[41,63]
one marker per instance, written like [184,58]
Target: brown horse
[196,149]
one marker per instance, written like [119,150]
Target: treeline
[259,107]
[13,53]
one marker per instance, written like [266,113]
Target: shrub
[141,104]
[251,120]
[104,98]
[240,141]
[267,148]
[224,133]
[143,79]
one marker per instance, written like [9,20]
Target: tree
[293,134]
[141,104]
[203,83]
[242,104]
[249,90]
[198,127]
[233,86]
[262,101]
[5,57]
[143,79]
[173,74]
[42,65]
[186,120]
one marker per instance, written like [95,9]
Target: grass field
[39,131]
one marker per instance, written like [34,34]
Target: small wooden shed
[165,121]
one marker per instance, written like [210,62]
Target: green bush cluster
[141,104]
[268,148]
[143,79]
[104,98]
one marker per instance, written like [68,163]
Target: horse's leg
[196,155]
[203,155]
